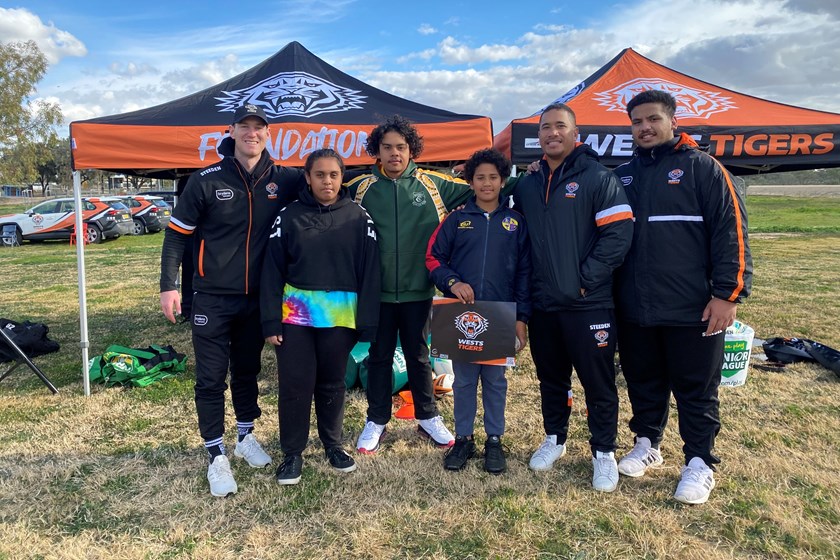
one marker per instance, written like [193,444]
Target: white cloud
[451,51]
[19,24]
[426,29]
[783,50]
[772,49]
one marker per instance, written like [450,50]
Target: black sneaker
[494,456]
[339,460]
[457,456]
[289,470]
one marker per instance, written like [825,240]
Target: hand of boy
[463,292]
[521,336]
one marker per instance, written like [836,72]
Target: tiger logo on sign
[471,324]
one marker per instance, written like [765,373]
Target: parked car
[168,196]
[106,218]
[150,213]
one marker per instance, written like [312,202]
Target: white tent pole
[80,260]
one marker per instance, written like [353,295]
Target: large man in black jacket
[226,211]
[580,229]
[677,291]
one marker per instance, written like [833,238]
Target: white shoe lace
[371,432]
[219,470]
[638,453]
[545,449]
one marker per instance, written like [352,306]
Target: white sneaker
[370,437]
[547,454]
[640,458]
[604,471]
[696,483]
[436,431]
[251,450]
[220,478]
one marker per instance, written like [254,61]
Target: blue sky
[502,59]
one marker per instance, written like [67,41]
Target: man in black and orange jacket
[226,211]
[676,293]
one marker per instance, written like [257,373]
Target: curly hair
[654,96]
[323,153]
[403,127]
[491,156]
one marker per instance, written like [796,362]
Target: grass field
[122,474]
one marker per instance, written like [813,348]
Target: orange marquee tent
[747,134]
[309,104]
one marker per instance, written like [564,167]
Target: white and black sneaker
[339,460]
[289,470]
[640,459]
[696,484]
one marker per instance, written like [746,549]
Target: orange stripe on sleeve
[617,217]
[180,229]
[739,222]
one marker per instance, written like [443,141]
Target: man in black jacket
[677,290]
[580,229]
[226,211]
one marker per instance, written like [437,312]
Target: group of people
[651,258]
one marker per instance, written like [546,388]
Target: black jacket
[490,253]
[322,248]
[227,212]
[690,241]
[580,227]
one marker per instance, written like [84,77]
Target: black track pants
[586,341]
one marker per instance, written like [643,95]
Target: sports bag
[139,367]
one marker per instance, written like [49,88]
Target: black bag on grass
[30,337]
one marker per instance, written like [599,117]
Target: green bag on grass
[139,367]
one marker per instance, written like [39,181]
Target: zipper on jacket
[249,188]
[484,254]
[397,252]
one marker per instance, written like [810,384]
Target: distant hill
[809,177]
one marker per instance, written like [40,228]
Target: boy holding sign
[481,252]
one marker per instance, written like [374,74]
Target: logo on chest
[418,199]
[674,176]
[510,224]
[224,194]
[271,189]
[571,189]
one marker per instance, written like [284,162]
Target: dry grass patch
[122,474]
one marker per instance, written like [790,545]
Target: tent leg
[80,260]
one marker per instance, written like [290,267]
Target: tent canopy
[747,134]
[309,104]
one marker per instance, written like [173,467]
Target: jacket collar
[409,171]
[471,207]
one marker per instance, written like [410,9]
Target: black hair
[491,156]
[322,153]
[556,106]
[654,96]
[403,127]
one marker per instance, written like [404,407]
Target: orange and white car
[150,213]
[106,217]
